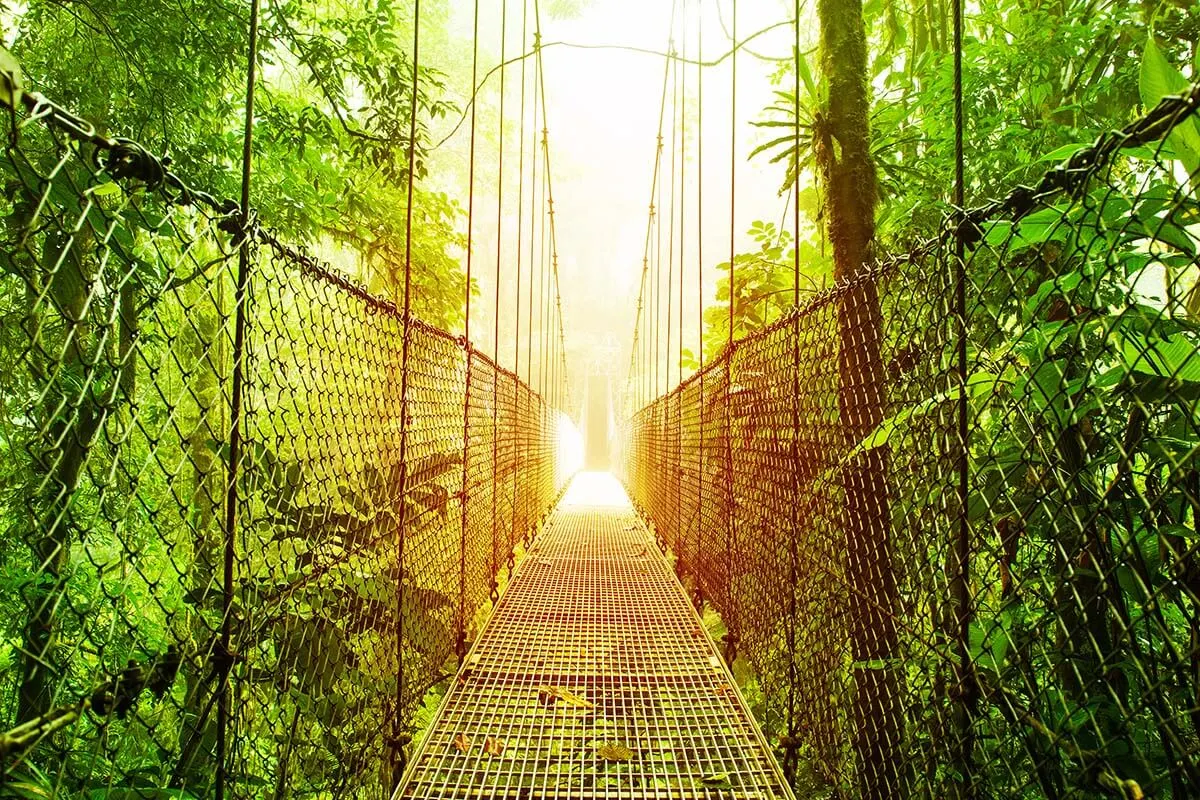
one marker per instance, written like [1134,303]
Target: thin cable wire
[495,566]
[681,532]
[789,761]
[460,639]
[519,446]
[671,208]
[731,637]
[225,664]
[551,212]
[399,761]
[967,686]
[700,292]
[533,217]
[640,367]
[579,46]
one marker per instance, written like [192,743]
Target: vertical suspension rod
[460,638]
[225,656]
[397,734]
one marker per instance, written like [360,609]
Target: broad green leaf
[1046,225]
[978,384]
[10,80]
[1064,152]
[1064,284]
[1175,356]
[1157,79]
[1181,531]
[988,638]
[109,189]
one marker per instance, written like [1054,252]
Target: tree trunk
[70,420]
[848,175]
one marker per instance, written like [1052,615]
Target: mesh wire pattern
[1040,639]
[368,535]
[594,678]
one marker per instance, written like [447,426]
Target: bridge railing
[1009,613]
[193,613]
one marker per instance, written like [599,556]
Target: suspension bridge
[925,531]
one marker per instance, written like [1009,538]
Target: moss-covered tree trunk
[848,174]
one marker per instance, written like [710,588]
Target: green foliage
[763,285]
[1082,395]
[331,126]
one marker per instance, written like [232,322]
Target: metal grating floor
[593,679]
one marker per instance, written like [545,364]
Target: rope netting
[808,482]
[155,650]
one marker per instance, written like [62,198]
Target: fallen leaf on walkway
[614,752]
[493,747]
[723,688]
[548,694]
[462,743]
[716,779]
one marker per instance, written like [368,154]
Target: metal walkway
[594,678]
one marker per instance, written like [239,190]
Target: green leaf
[1157,79]
[1174,356]
[109,189]
[988,639]
[10,80]
[1064,152]
[1046,225]
[1182,531]
[978,384]
[1063,284]
[716,779]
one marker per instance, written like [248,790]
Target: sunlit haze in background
[603,108]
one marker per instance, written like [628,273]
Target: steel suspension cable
[494,566]
[399,756]
[519,446]
[658,253]
[550,198]
[533,216]
[534,268]
[543,272]
[967,686]
[225,657]
[671,263]
[790,752]
[699,295]
[731,638]
[641,345]
[460,639]
[681,527]
[671,208]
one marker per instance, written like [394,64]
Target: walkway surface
[593,679]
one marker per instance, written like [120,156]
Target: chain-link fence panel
[957,544]
[188,612]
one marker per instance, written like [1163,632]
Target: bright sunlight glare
[595,489]
[570,448]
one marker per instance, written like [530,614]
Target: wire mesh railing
[1040,639]
[148,648]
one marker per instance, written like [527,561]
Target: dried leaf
[548,694]
[723,688]
[493,747]
[716,779]
[614,752]
[462,743]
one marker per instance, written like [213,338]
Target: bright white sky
[603,107]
